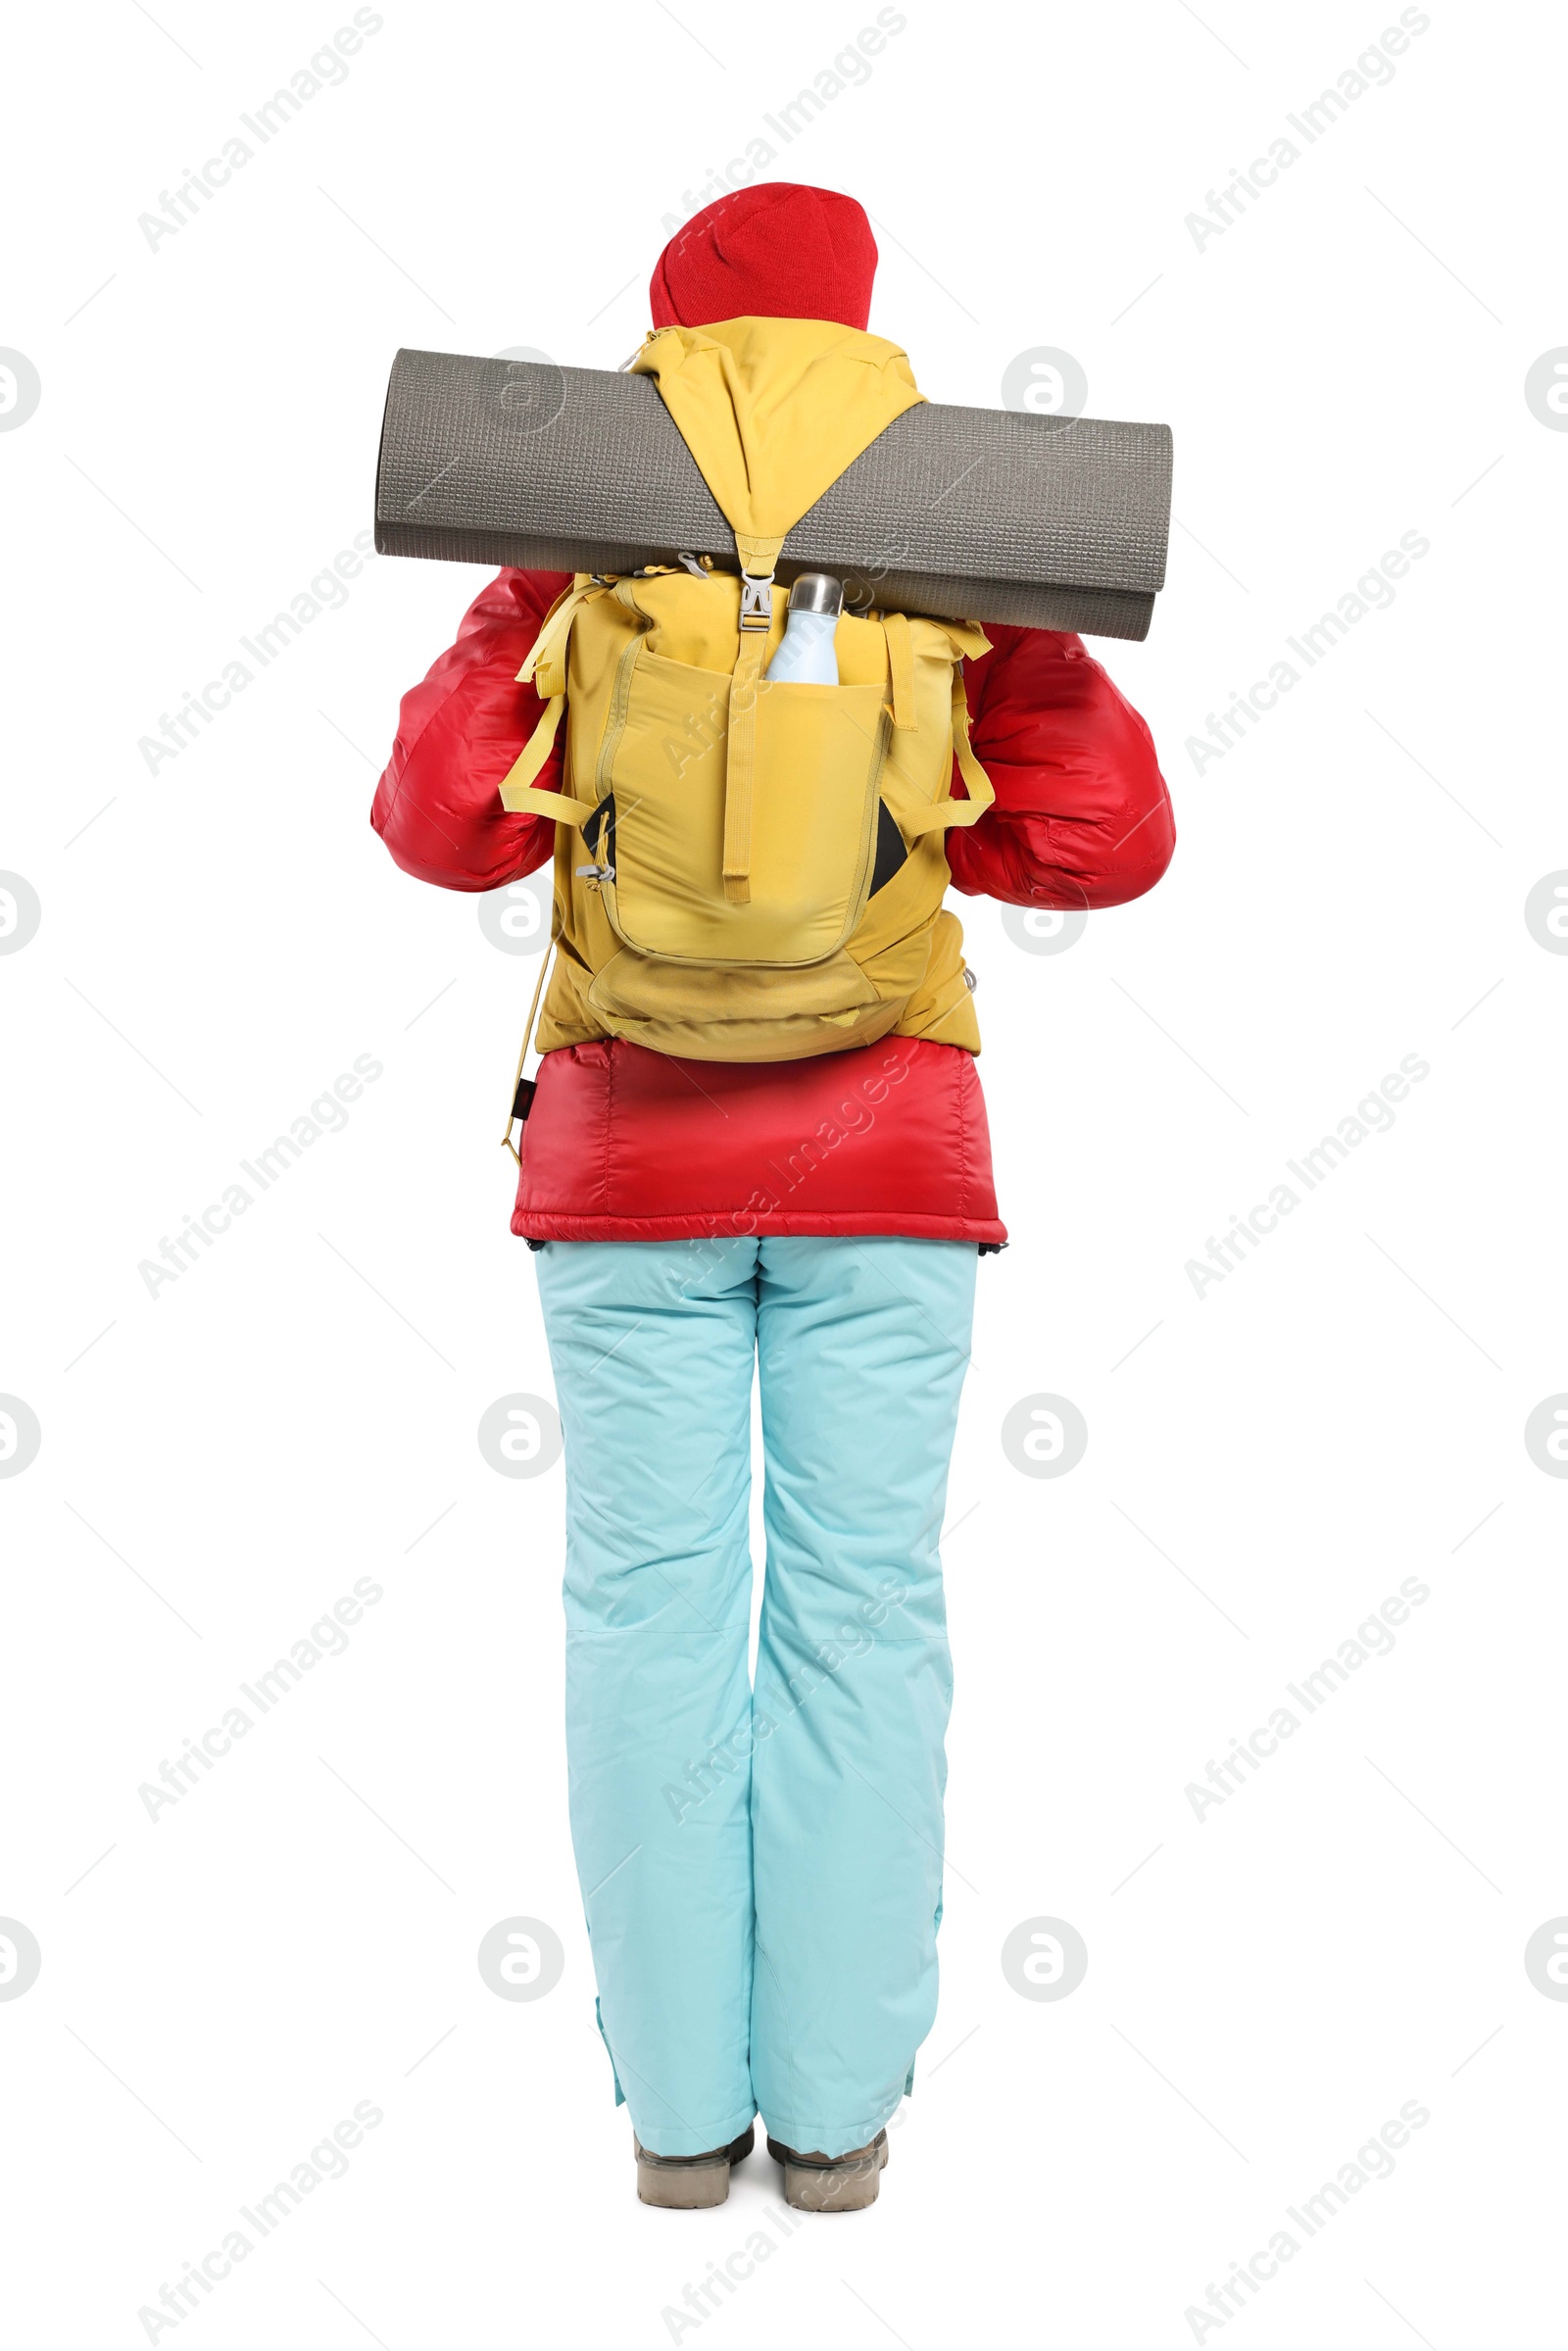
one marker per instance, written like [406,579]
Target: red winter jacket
[627,1144]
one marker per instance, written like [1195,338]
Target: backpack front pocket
[820,754]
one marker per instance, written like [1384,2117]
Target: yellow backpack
[766,870]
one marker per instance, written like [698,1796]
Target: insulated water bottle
[805,657]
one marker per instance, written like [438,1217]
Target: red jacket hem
[626,1144]
[864,1223]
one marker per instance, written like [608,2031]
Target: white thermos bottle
[805,657]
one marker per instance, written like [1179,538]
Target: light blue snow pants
[762,1870]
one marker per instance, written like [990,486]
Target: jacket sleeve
[438,806]
[1081,818]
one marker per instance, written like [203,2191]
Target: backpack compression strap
[545,669]
[915,815]
[758,559]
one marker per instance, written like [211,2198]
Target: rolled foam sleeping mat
[960,512]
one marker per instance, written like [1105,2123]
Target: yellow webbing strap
[548,651]
[517,791]
[740,765]
[915,815]
[901,667]
[545,670]
[757,559]
[981,794]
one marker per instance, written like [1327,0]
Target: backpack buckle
[756,601]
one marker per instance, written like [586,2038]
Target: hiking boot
[689,2183]
[819,2183]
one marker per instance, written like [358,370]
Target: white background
[219,939]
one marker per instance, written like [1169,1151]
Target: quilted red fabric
[890,1138]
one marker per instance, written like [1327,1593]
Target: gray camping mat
[962,513]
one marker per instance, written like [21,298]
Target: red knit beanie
[770,252]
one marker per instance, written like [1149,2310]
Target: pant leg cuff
[681,2138]
[828,2137]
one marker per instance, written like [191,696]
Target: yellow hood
[772,411]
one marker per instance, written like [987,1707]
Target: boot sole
[832,2187]
[688,2183]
